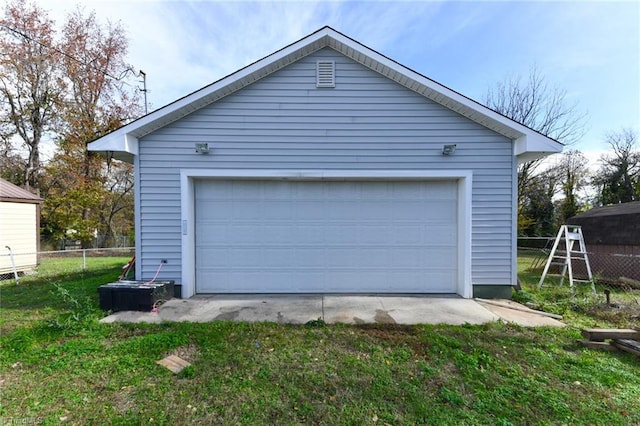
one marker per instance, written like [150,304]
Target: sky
[589,49]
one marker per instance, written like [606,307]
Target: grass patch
[584,309]
[57,362]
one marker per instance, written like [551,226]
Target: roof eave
[528,144]
[118,144]
[21,200]
[532,146]
[123,142]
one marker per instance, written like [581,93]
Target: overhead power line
[28,37]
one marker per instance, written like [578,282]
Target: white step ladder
[565,256]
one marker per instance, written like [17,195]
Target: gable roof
[12,193]
[122,143]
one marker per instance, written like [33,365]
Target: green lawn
[58,364]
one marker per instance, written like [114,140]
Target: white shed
[327,167]
[19,227]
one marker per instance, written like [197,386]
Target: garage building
[327,167]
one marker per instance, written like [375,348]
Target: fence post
[84,260]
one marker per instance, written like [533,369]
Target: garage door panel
[279,233]
[372,234]
[409,234]
[342,234]
[240,191]
[342,281]
[315,236]
[441,211]
[441,234]
[313,233]
[212,256]
[410,257]
[437,281]
[373,210]
[346,191]
[306,257]
[276,209]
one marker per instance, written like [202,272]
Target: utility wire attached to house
[73,58]
[120,78]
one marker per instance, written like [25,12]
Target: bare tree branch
[532,102]
[618,179]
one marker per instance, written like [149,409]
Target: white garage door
[277,236]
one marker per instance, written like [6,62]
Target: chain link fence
[14,265]
[614,265]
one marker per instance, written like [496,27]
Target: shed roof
[122,143]
[617,224]
[632,207]
[12,193]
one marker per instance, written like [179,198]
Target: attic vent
[325,74]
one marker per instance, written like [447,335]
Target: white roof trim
[529,144]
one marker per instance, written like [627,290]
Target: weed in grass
[81,313]
[189,372]
[316,323]
[523,297]
[452,397]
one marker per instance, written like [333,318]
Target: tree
[537,213]
[86,194]
[618,179]
[69,88]
[573,173]
[11,164]
[29,85]
[116,221]
[540,107]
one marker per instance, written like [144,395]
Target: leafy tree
[618,179]
[537,213]
[86,194]
[29,86]
[11,164]
[572,174]
[543,108]
[66,86]
[116,221]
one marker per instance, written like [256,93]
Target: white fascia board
[117,141]
[325,37]
[533,146]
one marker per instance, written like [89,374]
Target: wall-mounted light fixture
[202,148]
[448,149]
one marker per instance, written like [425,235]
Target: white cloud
[590,48]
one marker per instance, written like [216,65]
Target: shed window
[325,74]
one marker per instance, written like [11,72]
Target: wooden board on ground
[601,334]
[597,345]
[628,345]
[629,282]
[174,363]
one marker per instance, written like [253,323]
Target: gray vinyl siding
[366,122]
